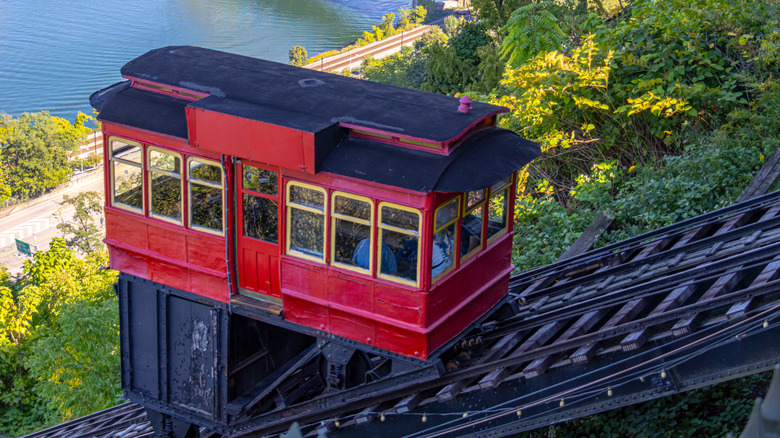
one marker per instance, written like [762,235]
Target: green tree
[34,150]
[457,66]
[531,29]
[298,56]
[405,68]
[84,231]
[59,343]
[495,13]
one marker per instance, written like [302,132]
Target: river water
[55,53]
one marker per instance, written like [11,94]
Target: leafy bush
[59,340]
[298,56]
[34,149]
[633,91]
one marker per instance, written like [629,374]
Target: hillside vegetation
[655,111]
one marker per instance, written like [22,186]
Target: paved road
[37,224]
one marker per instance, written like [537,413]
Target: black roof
[312,101]
[254,88]
[480,161]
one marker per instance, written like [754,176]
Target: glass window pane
[443,254]
[164,161]
[206,206]
[471,230]
[261,180]
[261,218]
[474,198]
[352,207]
[352,243]
[448,212]
[307,232]
[400,218]
[125,151]
[497,214]
[399,255]
[308,197]
[166,195]
[128,184]
[205,172]
[501,184]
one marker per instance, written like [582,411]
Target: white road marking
[7,237]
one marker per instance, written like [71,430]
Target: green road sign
[23,247]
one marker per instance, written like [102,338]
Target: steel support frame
[607,383]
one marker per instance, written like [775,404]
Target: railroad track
[681,307]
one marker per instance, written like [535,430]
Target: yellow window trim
[127,142]
[165,172]
[420,143]
[506,227]
[356,220]
[403,231]
[482,203]
[509,182]
[457,232]
[290,205]
[140,165]
[466,209]
[149,167]
[436,213]
[191,181]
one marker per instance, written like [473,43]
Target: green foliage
[58,340]
[418,15]
[452,25]
[632,92]
[495,13]
[405,68]
[457,66]
[83,229]
[298,56]
[531,29]
[709,174]
[710,412]
[34,150]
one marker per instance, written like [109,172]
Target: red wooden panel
[401,341]
[168,242]
[274,282]
[129,263]
[351,326]
[398,304]
[304,312]
[450,325]
[304,279]
[169,274]
[231,135]
[350,292]
[206,251]
[126,227]
[247,273]
[209,286]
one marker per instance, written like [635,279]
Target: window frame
[380,227]
[141,166]
[457,237]
[149,169]
[210,184]
[288,220]
[465,213]
[493,192]
[275,197]
[369,223]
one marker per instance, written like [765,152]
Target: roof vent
[465,105]
[310,82]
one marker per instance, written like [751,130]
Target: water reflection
[54,54]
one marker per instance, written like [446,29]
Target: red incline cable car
[265,207]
